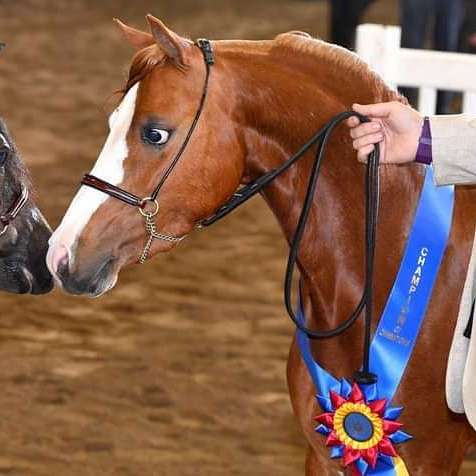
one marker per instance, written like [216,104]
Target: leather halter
[14,210]
[17,205]
[149,207]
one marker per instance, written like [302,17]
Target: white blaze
[109,167]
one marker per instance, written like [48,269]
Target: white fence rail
[426,70]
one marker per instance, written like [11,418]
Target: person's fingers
[353,122]
[364,129]
[364,152]
[369,139]
[374,110]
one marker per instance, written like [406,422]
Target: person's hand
[472,40]
[394,125]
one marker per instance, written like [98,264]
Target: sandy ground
[181,369]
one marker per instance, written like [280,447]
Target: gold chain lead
[151,229]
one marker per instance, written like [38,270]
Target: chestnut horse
[265,99]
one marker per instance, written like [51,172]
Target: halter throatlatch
[149,207]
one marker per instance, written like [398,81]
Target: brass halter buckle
[149,209]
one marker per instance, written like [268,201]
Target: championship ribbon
[358,422]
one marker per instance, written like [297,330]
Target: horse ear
[169,42]
[138,39]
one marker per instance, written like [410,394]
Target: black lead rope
[322,138]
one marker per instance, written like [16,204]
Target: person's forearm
[453,144]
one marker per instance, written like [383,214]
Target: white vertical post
[368,45]
[427,101]
[469,102]
[379,46]
[426,70]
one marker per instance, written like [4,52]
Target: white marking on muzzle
[109,167]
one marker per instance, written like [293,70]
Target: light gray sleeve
[454,149]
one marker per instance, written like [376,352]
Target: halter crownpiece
[149,206]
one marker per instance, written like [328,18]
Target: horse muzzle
[92,280]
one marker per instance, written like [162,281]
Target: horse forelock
[143,62]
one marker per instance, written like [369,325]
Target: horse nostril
[60,260]
[62,271]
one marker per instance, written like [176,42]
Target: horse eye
[155,136]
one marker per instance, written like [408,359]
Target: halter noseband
[149,206]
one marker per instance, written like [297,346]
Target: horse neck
[285,100]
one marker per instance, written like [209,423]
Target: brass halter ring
[145,210]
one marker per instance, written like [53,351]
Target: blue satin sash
[404,312]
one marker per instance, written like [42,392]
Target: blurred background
[180,370]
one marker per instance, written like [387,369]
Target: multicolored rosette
[361,429]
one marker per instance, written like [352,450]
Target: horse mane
[347,62]
[305,44]
[293,43]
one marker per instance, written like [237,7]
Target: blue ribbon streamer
[399,327]
[400,324]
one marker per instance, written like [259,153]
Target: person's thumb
[381,110]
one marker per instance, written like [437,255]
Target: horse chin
[93,281]
[105,287]
[22,283]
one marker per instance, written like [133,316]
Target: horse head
[24,231]
[147,131]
